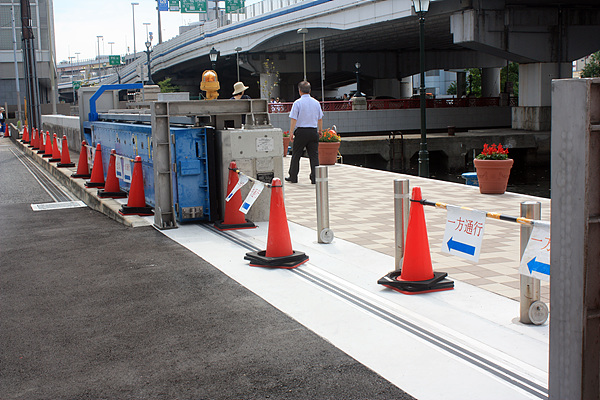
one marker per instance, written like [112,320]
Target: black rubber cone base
[438,283]
[82,176]
[65,165]
[54,159]
[142,211]
[41,152]
[89,184]
[229,227]
[47,155]
[259,259]
[114,195]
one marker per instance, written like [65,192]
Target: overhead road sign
[193,6]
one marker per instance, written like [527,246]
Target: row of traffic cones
[47,148]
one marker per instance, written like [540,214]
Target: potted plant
[329,144]
[286,142]
[493,169]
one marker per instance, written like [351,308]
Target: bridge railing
[254,10]
[399,104]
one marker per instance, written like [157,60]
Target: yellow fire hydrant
[210,84]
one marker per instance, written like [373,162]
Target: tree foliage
[167,87]
[513,78]
[592,68]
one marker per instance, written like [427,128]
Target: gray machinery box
[258,153]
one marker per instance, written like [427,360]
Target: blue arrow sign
[461,247]
[537,266]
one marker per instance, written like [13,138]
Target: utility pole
[33,90]
[14,32]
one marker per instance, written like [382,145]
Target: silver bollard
[401,208]
[530,286]
[325,235]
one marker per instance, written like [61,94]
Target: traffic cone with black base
[279,253]
[112,189]
[41,142]
[416,275]
[83,170]
[97,179]
[136,203]
[65,158]
[48,147]
[234,218]
[55,151]
[34,140]
[25,139]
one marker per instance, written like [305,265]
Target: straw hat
[238,88]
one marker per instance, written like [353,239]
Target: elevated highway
[543,36]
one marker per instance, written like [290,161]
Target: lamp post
[237,54]
[133,14]
[213,54]
[303,31]
[71,68]
[358,93]
[111,43]
[98,39]
[421,7]
[146,24]
[148,51]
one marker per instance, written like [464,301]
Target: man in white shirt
[306,122]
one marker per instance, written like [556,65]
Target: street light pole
[133,14]
[358,93]
[148,51]
[213,54]
[98,39]
[147,24]
[303,31]
[421,7]
[111,43]
[237,53]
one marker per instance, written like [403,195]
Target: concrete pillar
[533,112]
[490,82]
[461,83]
[406,87]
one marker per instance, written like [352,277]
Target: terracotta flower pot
[286,144]
[493,175]
[328,152]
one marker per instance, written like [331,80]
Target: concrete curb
[108,207]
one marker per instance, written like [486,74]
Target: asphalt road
[90,309]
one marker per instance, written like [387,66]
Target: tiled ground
[361,203]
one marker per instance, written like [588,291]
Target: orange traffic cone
[279,253]
[25,139]
[4,128]
[136,203]
[83,170]
[234,218]
[48,147]
[65,158]
[34,140]
[55,151]
[112,189]
[97,179]
[41,142]
[416,275]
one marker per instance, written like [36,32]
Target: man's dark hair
[304,87]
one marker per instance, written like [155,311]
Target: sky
[77,23]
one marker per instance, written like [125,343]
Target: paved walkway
[361,204]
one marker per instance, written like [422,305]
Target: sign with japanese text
[114,60]
[173,5]
[464,232]
[76,85]
[193,6]
[256,190]
[536,257]
[233,6]
[163,5]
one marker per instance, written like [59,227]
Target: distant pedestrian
[238,91]
[2,121]
[306,122]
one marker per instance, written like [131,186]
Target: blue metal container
[192,161]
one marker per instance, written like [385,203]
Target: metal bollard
[401,208]
[325,235]
[530,286]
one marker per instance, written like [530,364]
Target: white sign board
[264,144]
[464,233]
[252,196]
[536,257]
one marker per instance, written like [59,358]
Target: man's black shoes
[290,180]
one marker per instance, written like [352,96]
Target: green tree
[513,78]
[592,68]
[167,87]
[451,88]
[474,82]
